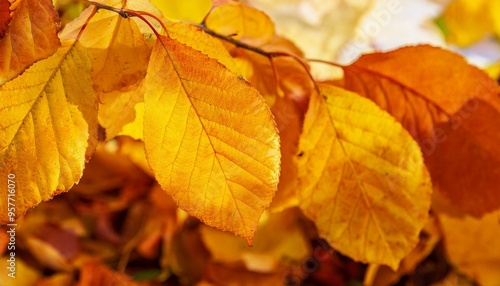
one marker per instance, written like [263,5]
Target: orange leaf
[31,36]
[289,118]
[210,138]
[362,179]
[451,108]
[472,245]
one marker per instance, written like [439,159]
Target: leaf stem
[127,13]
[260,51]
[234,41]
[325,62]
[122,12]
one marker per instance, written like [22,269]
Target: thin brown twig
[94,11]
[260,51]
[121,12]
[126,13]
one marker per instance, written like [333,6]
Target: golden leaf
[210,140]
[199,40]
[31,36]
[451,108]
[362,179]
[48,128]
[129,103]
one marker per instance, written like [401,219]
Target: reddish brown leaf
[451,108]
[4,16]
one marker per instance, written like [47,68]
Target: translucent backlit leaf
[451,108]
[48,128]
[362,179]
[210,138]
[242,22]
[31,36]
[116,46]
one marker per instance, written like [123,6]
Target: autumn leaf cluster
[232,126]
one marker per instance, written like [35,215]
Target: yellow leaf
[31,36]
[116,46]
[135,129]
[469,21]
[472,245]
[242,22]
[209,138]
[187,10]
[362,179]
[48,128]
[383,275]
